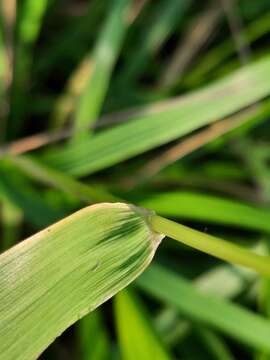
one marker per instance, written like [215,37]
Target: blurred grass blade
[167,15]
[35,209]
[3,56]
[231,319]
[65,104]
[7,18]
[137,337]
[93,338]
[29,19]
[207,63]
[223,281]
[57,276]
[202,207]
[32,13]
[51,177]
[101,65]
[215,345]
[88,68]
[195,37]
[59,50]
[264,304]
[10,222]
[179,118]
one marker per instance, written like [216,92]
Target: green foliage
[66,271]
[134,327]
[231,319]
[86,117]
[175,119]
[101,65]
[93,338]
[188,205]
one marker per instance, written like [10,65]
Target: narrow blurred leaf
[137,337]
[11,218]
[226,281]
[163,21]
[229,318]
[264,305]
[179,118]
[202,207]
[101,65]
[93,338]
[6,20]
[29,19]
[57,276]
[59,51]
[215,345]
[29,24]
[46,175]
[256,29]
[2,56]
[35,209]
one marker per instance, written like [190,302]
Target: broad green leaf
[137,337]
[57,276]
[202,207]
[175,119]
[229,318]
[93,338]
[101,65]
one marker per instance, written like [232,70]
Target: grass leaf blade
[57,276]
[137,337]
[231,319]
[179,118]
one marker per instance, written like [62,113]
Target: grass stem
[212,245]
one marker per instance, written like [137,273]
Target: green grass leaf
[213,209]
[2,56]
[57,276]
[35,209]
[231,319]
[216,56]
[57,50]
[158,127]
[215,345]
[224,281]
[93,337]
[137,337]
[11,219]
[51,177]
[101,66]
[165,18]
[30,15]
